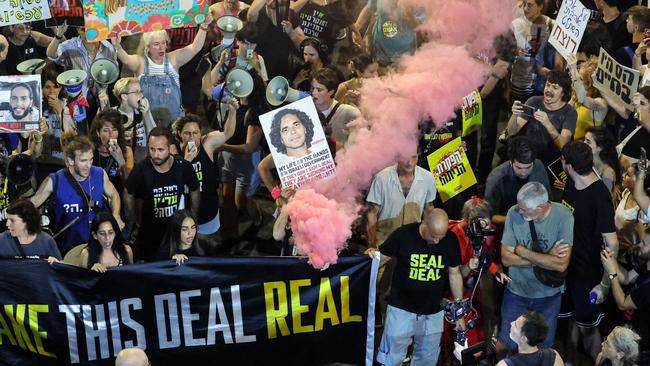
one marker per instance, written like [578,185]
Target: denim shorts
[513,306]
[401,327]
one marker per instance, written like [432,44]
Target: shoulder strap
[146,64]
[19,247]
[329,117]
[87,200]
[533,236]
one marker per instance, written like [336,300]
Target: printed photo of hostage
[298,145]
[292,132]
[20,98]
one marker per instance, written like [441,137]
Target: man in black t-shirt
[425,253]
[159,184]
[639,298]
[587,284]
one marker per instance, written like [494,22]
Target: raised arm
[41,39]
[132,63]
[639,194]
[254,10]
[182,56]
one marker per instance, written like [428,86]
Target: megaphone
[239,83]
[104,71]
[18,169]
[31,67]
[278,91]
[229,25]
[72,81]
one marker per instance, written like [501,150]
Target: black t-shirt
[593,213]
[320,22]
[274,45]
[161,195]
[111,167]
[421,271]
[17,54]
[563,118]
[241,128]
[618,31]
[641,319]
[206,173]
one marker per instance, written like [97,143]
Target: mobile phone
[643,160]
[112,142]
[249,53]
[191,145]
[528,110]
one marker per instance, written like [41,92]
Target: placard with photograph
[298,143]
[20,102]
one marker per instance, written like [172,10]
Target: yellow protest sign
[451,168]
[472,109]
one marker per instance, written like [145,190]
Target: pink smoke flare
[431,83]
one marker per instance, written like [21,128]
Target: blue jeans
[401,326]
[513,306]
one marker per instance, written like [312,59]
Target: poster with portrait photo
[20,102]
[298,144]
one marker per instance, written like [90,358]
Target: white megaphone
[30,67]
[239,83]
[278,91]
[104,71]
[72,81]
[229,25]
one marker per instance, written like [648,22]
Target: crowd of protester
[555,262]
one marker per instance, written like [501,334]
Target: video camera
[477,233]
[458,309]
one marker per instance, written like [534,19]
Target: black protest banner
[230,311]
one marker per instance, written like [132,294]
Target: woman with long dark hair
[111,151]
[606,162]
[106,247]
[181,240]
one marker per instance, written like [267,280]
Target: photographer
[639,297]
[475,235]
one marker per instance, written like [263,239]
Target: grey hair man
[550,225]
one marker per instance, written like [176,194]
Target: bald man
[132,357]
[426,255]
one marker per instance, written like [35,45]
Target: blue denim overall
[162,91]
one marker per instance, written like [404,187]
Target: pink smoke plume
[430,83]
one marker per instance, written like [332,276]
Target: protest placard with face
[20,106]
[298,144]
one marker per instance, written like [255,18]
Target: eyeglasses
[134,92]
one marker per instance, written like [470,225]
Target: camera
[477,233]
[458,309]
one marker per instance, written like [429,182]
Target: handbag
[546,276]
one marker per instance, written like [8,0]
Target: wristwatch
[611,276]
